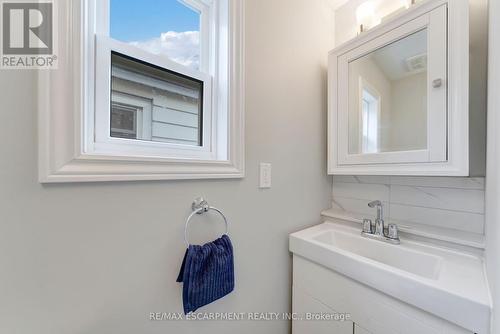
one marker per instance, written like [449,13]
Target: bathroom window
[153,53]
[370,122]
[369,117]
[158,88]
[170,30]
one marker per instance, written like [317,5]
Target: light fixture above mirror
[365,16]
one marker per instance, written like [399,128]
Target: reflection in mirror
[388,98]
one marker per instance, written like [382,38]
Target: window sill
[95,169]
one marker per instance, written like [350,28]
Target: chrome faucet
[379,222]
[378,231]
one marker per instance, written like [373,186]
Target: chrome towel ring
[200,206]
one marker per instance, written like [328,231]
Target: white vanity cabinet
[304,305]
[398,95]
[318,290]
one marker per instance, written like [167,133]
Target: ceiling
[391,59]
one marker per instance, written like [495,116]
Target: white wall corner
[335,4]
[493,165]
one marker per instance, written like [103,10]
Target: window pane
[370,112]
[150,103]
[166,27]
[123,121]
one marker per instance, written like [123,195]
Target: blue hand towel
[207,273]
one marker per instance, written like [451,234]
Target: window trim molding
[63,98]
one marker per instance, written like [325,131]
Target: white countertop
[458,292]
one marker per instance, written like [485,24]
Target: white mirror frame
[457,122]
[65,101]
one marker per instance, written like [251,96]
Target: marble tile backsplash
[452,207]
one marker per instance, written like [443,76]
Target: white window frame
[98,138]
[73,150]
[377,98]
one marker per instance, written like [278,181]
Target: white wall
[478,73]
[493,166]
[97,258]
[408,120]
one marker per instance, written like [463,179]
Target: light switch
[265,175]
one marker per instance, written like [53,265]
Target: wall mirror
[388,98]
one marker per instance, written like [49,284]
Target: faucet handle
[392,231]
[376,203]
[367,226]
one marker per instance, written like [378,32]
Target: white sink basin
[415,262]
[449,284]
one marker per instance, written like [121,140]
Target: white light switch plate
[265,175]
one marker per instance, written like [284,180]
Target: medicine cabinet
[398,95]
